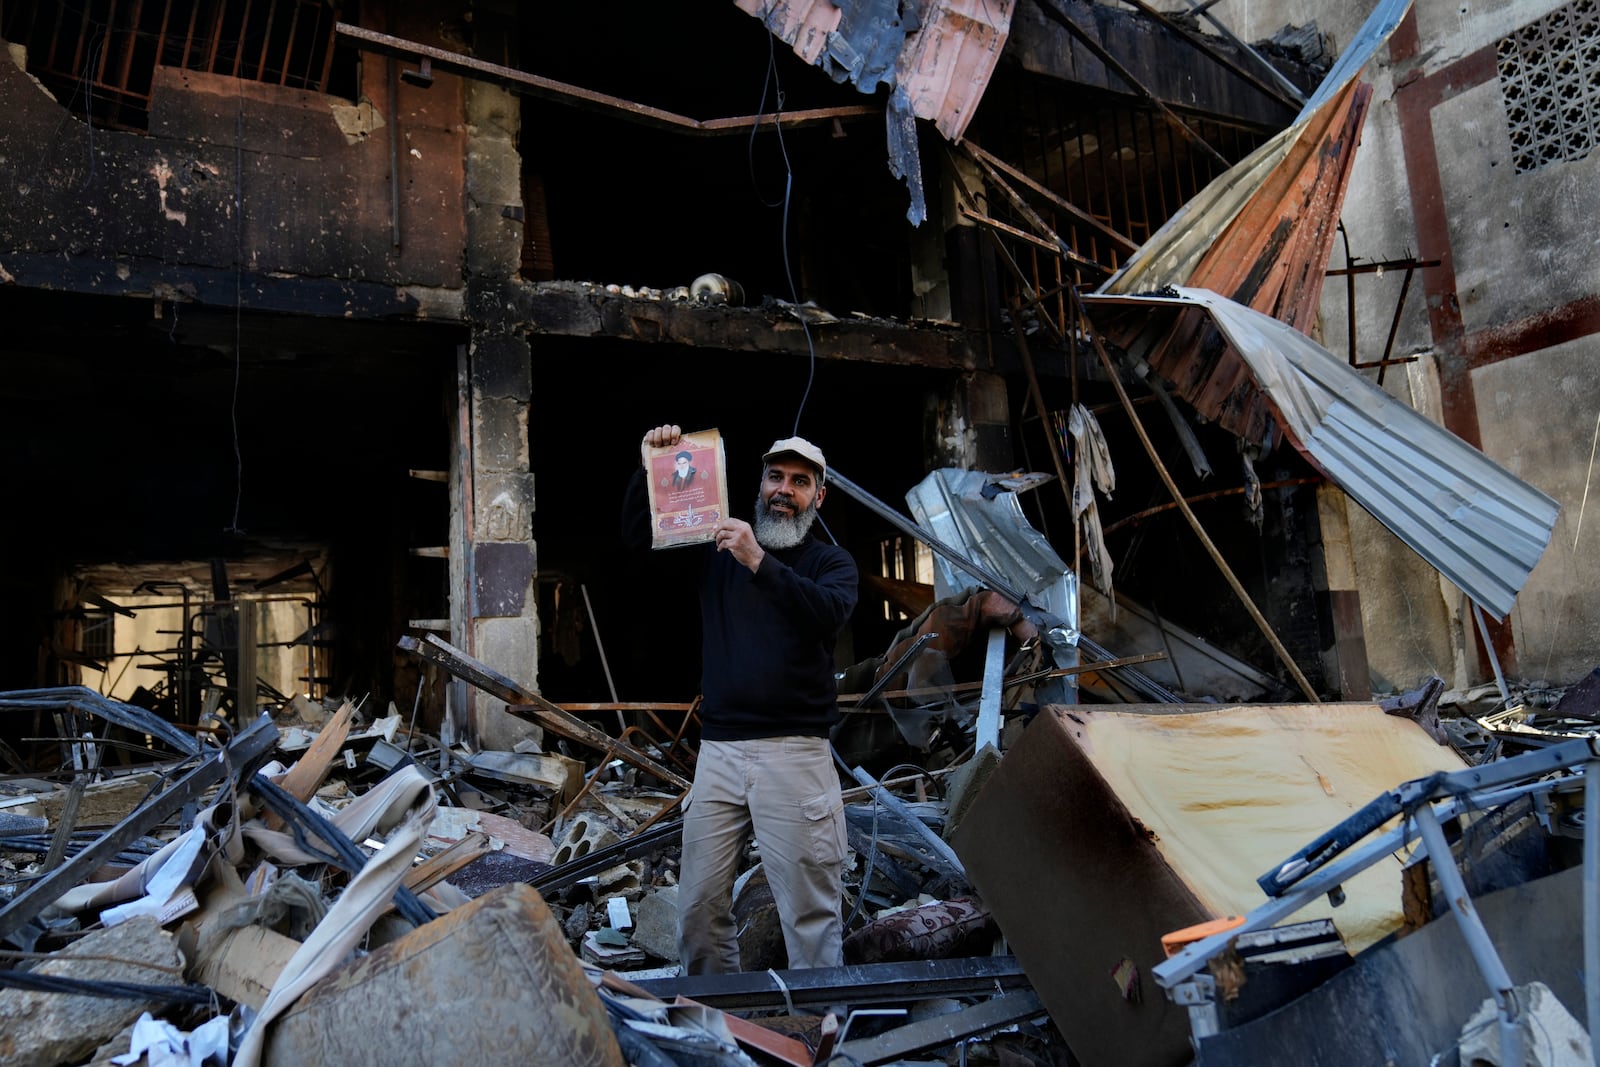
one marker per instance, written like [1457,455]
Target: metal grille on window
[99,57]
[99,637]
[1550,78]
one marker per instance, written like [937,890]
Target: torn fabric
[1093,470]
[936,57]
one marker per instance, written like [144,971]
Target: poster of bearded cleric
[688,489]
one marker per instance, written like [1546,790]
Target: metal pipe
[1591,901]
[1472,931]
[604,664]
[1277,75]
[1488,648]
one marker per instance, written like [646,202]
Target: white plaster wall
[1523,243]
[1539,415]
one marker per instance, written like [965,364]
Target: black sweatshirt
[767,637]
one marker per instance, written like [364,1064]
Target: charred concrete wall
[239,191]
[402,204]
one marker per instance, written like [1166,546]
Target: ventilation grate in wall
[1550,77]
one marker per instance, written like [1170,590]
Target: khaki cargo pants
[784,790]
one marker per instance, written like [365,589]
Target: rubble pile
[1053,884]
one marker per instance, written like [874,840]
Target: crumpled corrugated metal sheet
[1174,254]
[987,524]
[1480,525]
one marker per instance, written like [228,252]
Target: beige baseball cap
[798,446]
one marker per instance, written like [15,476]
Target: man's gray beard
[782,531]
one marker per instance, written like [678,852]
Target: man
[772,602]
[682,471]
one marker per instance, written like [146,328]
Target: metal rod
[604,665]
[1277,75]
[1188,514]
[1380,267]
[994,163]
[521,81]
[1394,325]
[1139,516]
[1100,52]
[1488,648]
[1472,931]
[1349,294]
[1591,900]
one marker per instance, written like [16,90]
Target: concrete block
[494,170]
[511,647]
[502,578]
[502,365]
[655,923]
[500,434]
[40,1029]
[490,982]
[504,506]
[494,113]
[583,835]
[1551,1037]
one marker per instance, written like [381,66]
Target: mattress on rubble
[1103,829]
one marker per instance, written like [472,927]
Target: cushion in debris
[936,931]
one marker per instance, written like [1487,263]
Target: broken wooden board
[301,780]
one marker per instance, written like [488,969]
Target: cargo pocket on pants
[825,814]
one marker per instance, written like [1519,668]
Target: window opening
[1550,79]
[99,57]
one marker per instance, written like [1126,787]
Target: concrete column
[969,426]
[1346,661]
[495,606]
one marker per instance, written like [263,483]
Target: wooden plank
[437,868]
[1350,645]
[302,780]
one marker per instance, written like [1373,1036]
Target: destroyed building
[332,331]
